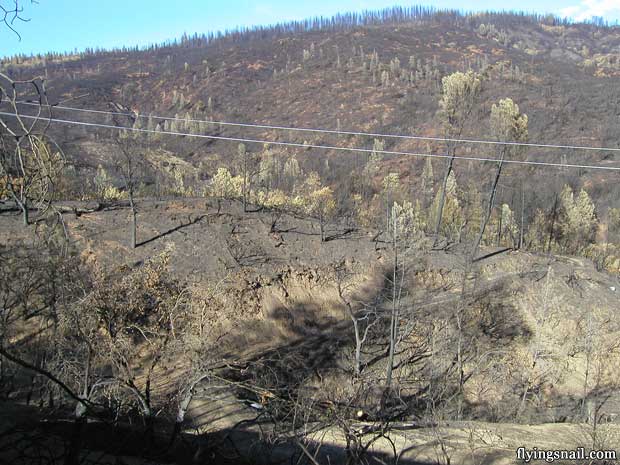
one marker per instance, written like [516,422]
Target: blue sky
[63,25]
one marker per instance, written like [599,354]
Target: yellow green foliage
[37,172]
[292,168]
[5,192]
[298,202]
[104,188]
[428,178]
[472,209]
[391,183]
[224,185]
[276,199]
[537,235]
[111,193]
[406,220]
[509,233]
[459,91]
[507,124]
[321,202]
[179,185]
[578,222]
[314,199]
[270,167]
[362,211]
[372,166]
[606,256]
[452,215]
[312,183]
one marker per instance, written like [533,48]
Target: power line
[315,146]
[331,131]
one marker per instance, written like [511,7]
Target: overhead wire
[333,131]
[315,146]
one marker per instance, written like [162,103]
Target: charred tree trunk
[442,198]
[245,183]
[522,231]
[358,346]
[490,204]
[134,222]
[25,215]
[552,227]
[394,313]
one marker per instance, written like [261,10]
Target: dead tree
[460,94]
[249,170]
[395,305]
[404,233]
[200,339]
[39,284]
[138,311]
[507,125]
[129,166]
[362,320]
[29,166]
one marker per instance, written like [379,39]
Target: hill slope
[383,77]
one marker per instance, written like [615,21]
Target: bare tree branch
[11,14]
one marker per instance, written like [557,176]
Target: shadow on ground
[29,439]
